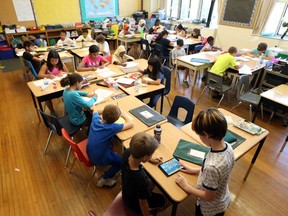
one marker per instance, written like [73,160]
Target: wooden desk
[187,41]
[170,138]
[278,96]
[67,57]
[250,142]
[126,40]
[126,104]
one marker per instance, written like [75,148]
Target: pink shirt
[54,72]
[92,62]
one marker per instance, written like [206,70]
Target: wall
[128,7]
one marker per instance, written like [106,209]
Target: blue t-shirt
[74,104]
[267,53]
[99,145]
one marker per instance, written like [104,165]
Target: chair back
[158,50]
[145,48]
[51,122]
[214,82]
[185,103]
[109,58]
[167,76]
[30,66]
[115,29]
[243,86]
[198,48]
[77,152]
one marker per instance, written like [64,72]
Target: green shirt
[223,62]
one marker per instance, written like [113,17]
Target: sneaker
[106,182]
[185,84]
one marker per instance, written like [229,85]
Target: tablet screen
[171,166]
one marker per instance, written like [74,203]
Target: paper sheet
[105,72]
[124,80]
[197,153]
[39,83]
[102,95]
[130,64]
[245,70]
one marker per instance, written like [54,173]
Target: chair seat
[251,98]
[69,127]
[175,122]
[225,88]
[82,146]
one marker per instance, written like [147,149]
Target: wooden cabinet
[48,35]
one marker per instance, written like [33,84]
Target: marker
[100,84]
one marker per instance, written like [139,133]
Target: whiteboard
[23,10]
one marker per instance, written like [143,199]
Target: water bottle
[45,43]
[116,87]
[41,42]
[136,86]
[157,133]
[45,84]
[262,57]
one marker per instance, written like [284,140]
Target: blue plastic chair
[32,69]
[198,48]
[186,104]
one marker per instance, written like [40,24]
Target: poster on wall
[98,9]
[23,10]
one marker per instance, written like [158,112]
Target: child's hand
[102,66]
[156,160]
[144,81]
[91,94]
[181,181]
[188,169]
[123,64]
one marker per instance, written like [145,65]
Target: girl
[125,30]
[158,27]
[180,31]
[93,60]
[141,26]
[53,67]
[166,44]
[119,57]
[73,101]
[196,36]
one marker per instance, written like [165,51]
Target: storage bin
[6,53]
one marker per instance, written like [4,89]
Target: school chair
[215,83]
[198,48]
[167,77]
[32,69]
[109,58]
[79,150]
[55,125]
[118,207]
[284,144]
[184,103]
[145,48]
[244,95]
[115,29]
[158,51]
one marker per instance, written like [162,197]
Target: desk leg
[162,100]
[257,109]
[254,158]
[174,209]
[73,62]
[35,105]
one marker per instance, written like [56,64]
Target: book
[102,95]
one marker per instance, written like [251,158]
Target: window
[191,9]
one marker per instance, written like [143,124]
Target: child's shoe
[106,182]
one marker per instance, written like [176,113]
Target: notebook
[147,115]
[129,69]
[199,60]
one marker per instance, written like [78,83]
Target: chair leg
[271,116]
[67,157]
[90,180]
[250,112]
[261,107]
[220,100]
[201,94]
[164,60]
[47,143]
[236,105]
[284,144]
[140,54]
[169,102]
[72,164]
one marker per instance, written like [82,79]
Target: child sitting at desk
[84,37]
[120,57]
[64,40]
[158,27]
[164,42]
[103,45]
[35,59]
[73,101]
[177,52]
[209,46]
[52,68]
[20,46]
[136,187]
[212,192]
[93,60]
[261,49]
[196,36]
[99,145]
[180,31]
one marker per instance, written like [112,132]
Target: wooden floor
[33,184]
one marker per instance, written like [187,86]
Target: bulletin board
[240,13]
[98,10]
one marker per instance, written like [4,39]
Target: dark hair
[27,43]
[262,47]
[93,49]
[54,55]
[100,38]
[212,122]
[165,32]
[210,39]
[71,79]
[232,50]
[111,113]
[180,42]
[151,30]
[143,144]
[84,31]
[197,31]
[157,20]
[63,31]
[156,64]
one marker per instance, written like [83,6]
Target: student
[209,46]
[52,68]
[103,45]
[125,30]
[136,187]
[150,36]
[180,31]
[73,101]
[84,37]
[35,59]
[93,60]
[212,192]
[141,26]
[64,40]
[99,145]
[166,44]
[223,62]
[20,46]
[120,57]
[158,27]
[177,52]
[261,49]
[196,36]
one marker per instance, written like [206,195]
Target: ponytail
[161,35]
[71,79]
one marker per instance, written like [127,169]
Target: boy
[103,45]
[33,58]
[209,46]
[84,37]
[223,62]
[261,49]
[99,145]
[212,187]
[136,188]
[64,40]
[176,52]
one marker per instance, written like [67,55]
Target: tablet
[170,167]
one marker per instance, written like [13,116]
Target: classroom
[142,60]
